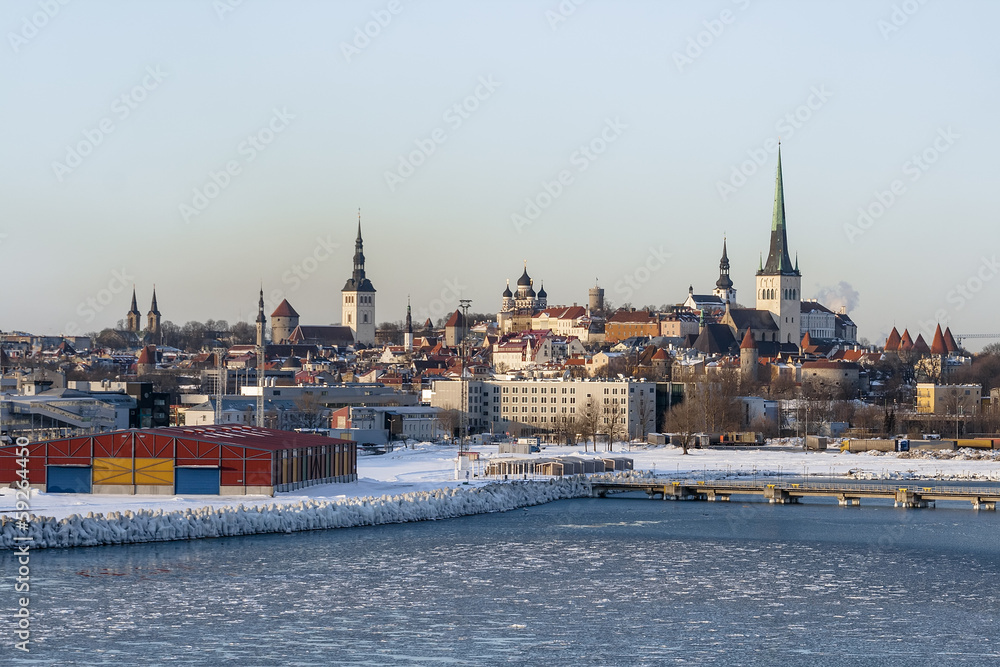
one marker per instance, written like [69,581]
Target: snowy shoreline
[417,483]
[206,522]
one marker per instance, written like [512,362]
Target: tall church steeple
[133,317]
[261,319]
[408,334]
[778,260]
[153,318]
[358,297]
[724,285]
[779,282]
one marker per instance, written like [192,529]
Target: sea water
[611,581]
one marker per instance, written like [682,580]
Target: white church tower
[779,283]
[359,298]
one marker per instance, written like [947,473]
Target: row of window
[534,390]
[773,294]
[535,409]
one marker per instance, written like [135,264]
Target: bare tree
[588,419]
[614,425]
[449,421]
[564,430]
[686,418]
[645,408]
[309,413]
[719,398]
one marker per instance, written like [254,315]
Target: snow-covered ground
[426,466]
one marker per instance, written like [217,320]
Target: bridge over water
[846,493]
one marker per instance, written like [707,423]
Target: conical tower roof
[905,343]
[135,306]
[938,346]
[949,341]
[892,342]
[920,345]
[748,342]
[778,260]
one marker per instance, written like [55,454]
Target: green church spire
[778,261]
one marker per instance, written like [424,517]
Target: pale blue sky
[681,130]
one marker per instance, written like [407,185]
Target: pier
[846,493]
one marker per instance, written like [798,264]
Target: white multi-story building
[547,405]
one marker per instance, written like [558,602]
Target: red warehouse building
[220,460]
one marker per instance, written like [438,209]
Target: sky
[210,146]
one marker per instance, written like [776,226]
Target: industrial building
[228,460]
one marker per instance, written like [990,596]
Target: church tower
[779,283]
[153,319]
[261,320]
[749,357]
[358,298]
[408,334]
[133,316]
[724,285]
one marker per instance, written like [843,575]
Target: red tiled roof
[892,342]
[949,341]
[284,309]
[632,316]
[938,346]
[906,343]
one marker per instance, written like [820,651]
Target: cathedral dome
[524,280]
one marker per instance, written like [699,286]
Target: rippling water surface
[603,582]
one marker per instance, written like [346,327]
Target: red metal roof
[242,436]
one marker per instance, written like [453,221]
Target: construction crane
[960,337]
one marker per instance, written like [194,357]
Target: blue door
[198,481]
[68,479]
